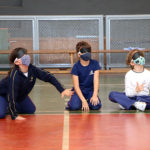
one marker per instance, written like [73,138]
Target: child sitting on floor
[85,75]
[137,84]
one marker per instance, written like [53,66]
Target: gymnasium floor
[54,128]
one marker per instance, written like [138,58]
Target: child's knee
[75,103]
[32,110]
[29,110]
[112,95]
[97,107]
[75,107]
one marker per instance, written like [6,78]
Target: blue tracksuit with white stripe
[86,77]
[16,87]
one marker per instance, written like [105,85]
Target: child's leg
[3,107]
[75,103]
[121,99]
[26,106]
[92,107]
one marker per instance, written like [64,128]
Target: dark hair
[83,46]
[136,55]
[17,53]
[133,54]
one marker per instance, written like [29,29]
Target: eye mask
[139,61]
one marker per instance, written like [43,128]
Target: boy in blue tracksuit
[14,89]
[85,75]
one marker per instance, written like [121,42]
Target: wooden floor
[81,132]
[54,128]
[109,132]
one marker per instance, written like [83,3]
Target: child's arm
[94,99]
[79,92]
[129,88]
[48,77]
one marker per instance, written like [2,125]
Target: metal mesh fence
[14,33]
[51,33]
[64,35]
[124,33]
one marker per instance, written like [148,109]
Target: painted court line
[65,144]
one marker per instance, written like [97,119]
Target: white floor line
[65,144]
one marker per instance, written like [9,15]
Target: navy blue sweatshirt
[17,86]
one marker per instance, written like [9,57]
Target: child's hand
[94,100]
[17,61]
[85,106]
[67,92]
[20,118]
[139,88]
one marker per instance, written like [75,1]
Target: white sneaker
[121,107]
[140,105]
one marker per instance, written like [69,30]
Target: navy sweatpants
[127,102]
[76,104]
[24,107]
